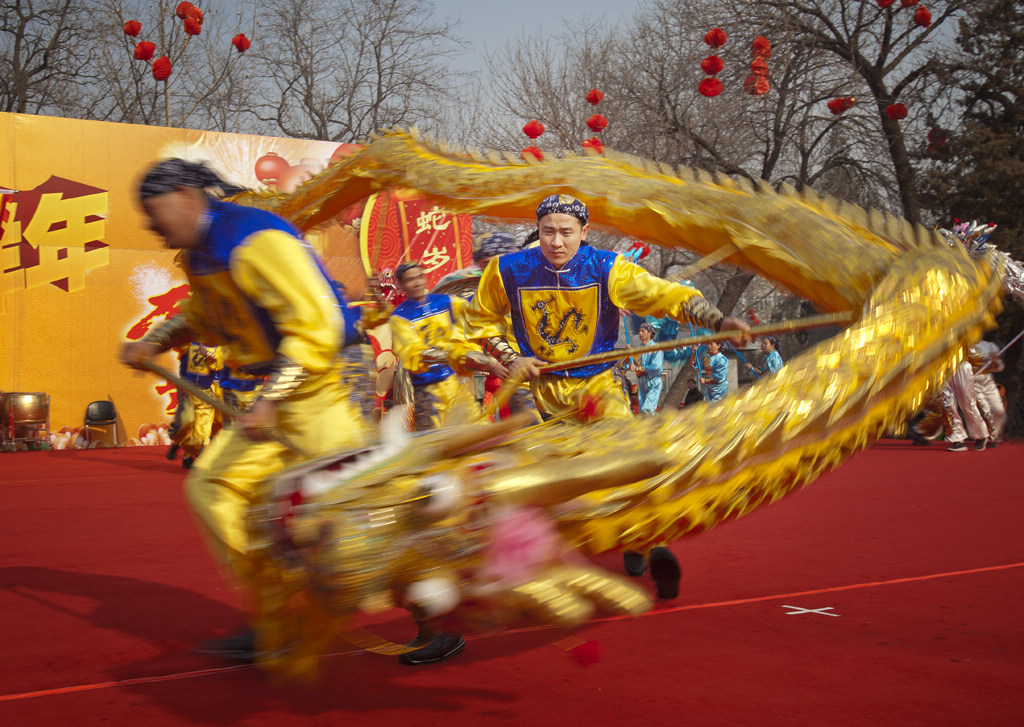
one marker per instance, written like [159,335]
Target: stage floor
[887,592]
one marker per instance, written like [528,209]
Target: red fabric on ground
[104,580]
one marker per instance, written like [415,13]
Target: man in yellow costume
[565,298]
[259,291]
[421,328]
[195,421]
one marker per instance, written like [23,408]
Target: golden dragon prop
[917,300]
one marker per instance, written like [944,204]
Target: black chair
[100,419]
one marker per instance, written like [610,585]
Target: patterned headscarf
[492,244]
[564,204]
[169,174]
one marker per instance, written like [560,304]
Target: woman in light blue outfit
[772,357]
[648,373]
[716,373]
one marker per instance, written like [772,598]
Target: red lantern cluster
[841,104]
[596,123]
[532,129]
[938,144]
[241,43]
[896,111]
[757,82]
[192,23]
[712,65]
[922,17]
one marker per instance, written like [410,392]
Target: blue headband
[564,204]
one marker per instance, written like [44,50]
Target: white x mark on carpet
[821,611]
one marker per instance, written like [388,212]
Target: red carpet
[888,592]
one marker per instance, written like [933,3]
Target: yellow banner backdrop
[80,274]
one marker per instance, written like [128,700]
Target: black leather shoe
[666,573]
[634,563]
[238,646]
[172,452]
[187,462]
[439,648]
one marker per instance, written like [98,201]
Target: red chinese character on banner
[165,305]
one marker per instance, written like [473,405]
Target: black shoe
[187,462]
[172,452]
[957,447]
[238,646]
[979,444]
[666,573]
[919,440]
[439,648]
[993,443]
[634,563]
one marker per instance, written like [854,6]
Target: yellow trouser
[557,395]
[234,472]
[434,404]
[196,421]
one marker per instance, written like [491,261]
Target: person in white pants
[990,403]
[959,390]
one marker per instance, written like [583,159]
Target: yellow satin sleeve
[485,315]
[408,345]
[277,273]
[633,288]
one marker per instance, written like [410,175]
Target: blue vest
[565,314]
[433,320]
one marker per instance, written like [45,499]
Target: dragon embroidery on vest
[575,315]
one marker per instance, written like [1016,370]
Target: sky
[487,24]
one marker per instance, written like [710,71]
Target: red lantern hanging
[908,3]
[594,97]
[533,129]
[841,104]
[710,87]
[756,85]
[716,37]
[195,14]
[761,47]
[144,50]
[597,123]
[922,17]
[896,111]
[182,10]
[241,43]
[132,28]
[162,68]
[884,3]
[593,143]
[712,65]
[532,152]
[193,26]
[759,66]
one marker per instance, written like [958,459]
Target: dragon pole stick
[216,403]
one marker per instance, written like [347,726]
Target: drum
[25,417]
